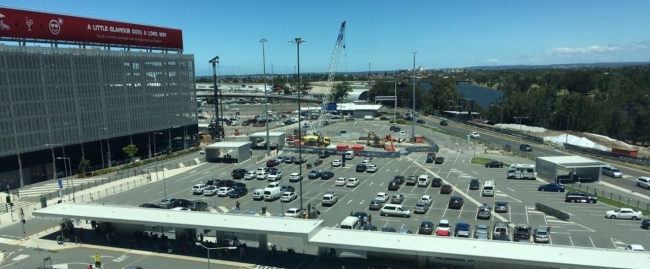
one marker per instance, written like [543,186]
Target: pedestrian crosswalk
[31,194]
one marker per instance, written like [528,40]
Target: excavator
[392,147]
[376,142]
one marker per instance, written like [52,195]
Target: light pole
[154,143]
[413,108]
[215,61]
[566,141]
[519,120]
[298,41]
[501,108]
[395,108]
[266,100]
[208,249]
[161,164]
[67,170]
[108,145]
[54,162]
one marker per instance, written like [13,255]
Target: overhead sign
[33,25]
[384,98]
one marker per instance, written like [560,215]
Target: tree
[340,91]
[84,166]
[130,150]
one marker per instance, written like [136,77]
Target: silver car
[421,208]
[482,231]
[501,207]
[541,235]
[397,198]
[375,204]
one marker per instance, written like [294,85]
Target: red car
[443,233]
[272,163]
[446,189]
[288,112]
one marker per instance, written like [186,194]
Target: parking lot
[587,227]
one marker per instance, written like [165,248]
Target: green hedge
[140,163]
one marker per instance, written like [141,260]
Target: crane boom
[334,61]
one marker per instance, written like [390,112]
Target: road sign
[60,183]
[384,98]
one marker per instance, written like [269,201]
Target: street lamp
[54,162]
[108,145]
[154,142]
[208,249]
[519,120]
[298,41]
[413,108]
[68,171]
[266,100]
[161,163]
[214,61]
[501,108]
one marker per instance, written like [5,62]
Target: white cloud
[492,61]
[632,52]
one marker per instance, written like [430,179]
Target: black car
[388,230]
[393,128]
[245,123]
[198,205]
[436,182]
[238,173]
[645,223]
[420,121]
[439,160]
[399,178]
[393,185]
[444,123]
[211,182]
[494,164]
[525,147]
[580,197]
[474,184]
[370,228]
[239,185]
[456,202]
[226,183]
[147,205]
[383,118]
[360,214]
[326,175]
[426,227]
[323,154]
[361,167]
[180,203]
[238,192]
[314,174]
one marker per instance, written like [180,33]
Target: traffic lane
[543,150]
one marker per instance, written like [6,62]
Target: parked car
[474,184]
[525,147]
[484,212]
[295,177]
[612,172]
[198,205]
[375,204]
[421,208]
[420,121]
[501,207]
[456,202]
[446,189]
[397,198]
[474,135]
[272,163]
[426,227]
[439,160]
[551,187]
[624,213]
[541,235]
[436,182]
[326,175]
[314,174]
[323,154]
[444,123]
[461,230]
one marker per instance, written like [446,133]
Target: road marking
[571,240]
[371,183]
[362,202]
[511,189]
[350,201]
[208,172]
[592,242]
[475,172]
[223,208]
[193,171]
[148,190]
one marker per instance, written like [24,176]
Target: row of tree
[608,101]
[443,95]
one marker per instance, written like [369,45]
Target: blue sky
[383,33]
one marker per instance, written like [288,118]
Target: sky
[380,35]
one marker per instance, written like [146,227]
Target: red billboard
[17,23]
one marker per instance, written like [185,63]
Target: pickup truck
[501,231]
[522,233]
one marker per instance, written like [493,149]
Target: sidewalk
[88,195]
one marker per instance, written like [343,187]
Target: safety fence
[609,197]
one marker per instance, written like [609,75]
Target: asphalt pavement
[587,227]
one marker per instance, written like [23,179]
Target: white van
[423,181]
[272,194]
[488,188]
[368,118]
[349,155]
[258,194]
[350,222]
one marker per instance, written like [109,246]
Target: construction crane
[334,62]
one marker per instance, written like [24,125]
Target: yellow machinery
[376,141]
[316,140]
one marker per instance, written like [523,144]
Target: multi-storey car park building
[97,87]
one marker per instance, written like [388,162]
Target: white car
[292,212]
[336,163]
[295,177]
[366,162]
[260,170]
[274,176]
[382,196]
[371,168]
[181,209]
[250,175]
[402,132]
[643,182]
[443,225]
[624,213]
[340,181]
[634,247]
[202,151]
[426,199]
[352,182]
[198,188]
[261,175]
[288,197]
[474,135]
[279,123]
[224,191]
[210,190]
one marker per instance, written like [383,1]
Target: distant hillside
[576,65]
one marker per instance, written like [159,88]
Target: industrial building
[62,102]
[358,111]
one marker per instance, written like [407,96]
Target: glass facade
[73,96]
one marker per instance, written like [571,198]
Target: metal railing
[601,193]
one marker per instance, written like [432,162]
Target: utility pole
[266,100]
[519,120]
[413,107]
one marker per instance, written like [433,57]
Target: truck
[316,140]
[501,231]
[522,171]
[522,233]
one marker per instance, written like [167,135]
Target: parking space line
[571,240]
[592,242]
[527,221]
